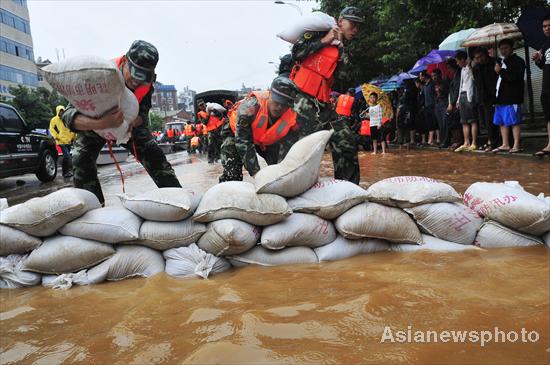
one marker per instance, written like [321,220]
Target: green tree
[37,106]
[155,121]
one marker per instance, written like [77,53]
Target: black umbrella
[530,24]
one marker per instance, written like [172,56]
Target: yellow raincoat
[60,133]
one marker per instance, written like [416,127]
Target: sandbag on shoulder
[299,229]
[510,205]
[264,257]
[329,198]
[378,221]
[453,222]
[65,254]
[14,241]
[432,243]
[191,261]
[409,191]
[42,217]
[316,21]
[110,224]
[229,237]
[165,235]
[163,204]
[238,200]
[342,248]
[492,234]
[127,262]
[12,276]
[298,171]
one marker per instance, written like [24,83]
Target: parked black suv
[22,150]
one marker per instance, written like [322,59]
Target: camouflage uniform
[239,150]
[314,115]
[214,144]
[88,144]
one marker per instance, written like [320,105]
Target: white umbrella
[491,34]
[453,41]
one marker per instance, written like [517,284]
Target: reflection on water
[331,313]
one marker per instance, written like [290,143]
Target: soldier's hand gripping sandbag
[43,216]
[378,221]
[510,205]
[95,86]
[238,200]
[329,198]
[191,261]
[163,204]
[298,171]
[410,191]
[492,234]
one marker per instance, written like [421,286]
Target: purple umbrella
[399,78]
[434,57]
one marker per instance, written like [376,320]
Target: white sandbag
[191,261]
[492,234]
[215,106]
[3,203]
[329,198]
[66,281]
[316,21]
[163,204]
[409,191]
[109,224]
[165,235]
[432,243]
[238,200]
[299,229]
[94,86]
[264,257]
[15,241]
[12,276]
[261,161]
[378,221]
[298,171]
[229,237]
[64,254]
[127,262]
[453,222]
[342,248]
[510,205]
[546,238]
[42,217]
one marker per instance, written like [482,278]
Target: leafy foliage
[36,106]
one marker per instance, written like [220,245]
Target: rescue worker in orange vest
[202,118]
[138,69]
[322,65]
[216,120]
[188,132]
[263,123]
[345,104]
[170,135]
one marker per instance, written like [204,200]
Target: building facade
[17,65]
[185,99]
[165,98]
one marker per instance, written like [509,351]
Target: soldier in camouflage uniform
[314,115]
[240,149]
[137,67]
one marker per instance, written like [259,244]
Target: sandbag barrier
[67,239]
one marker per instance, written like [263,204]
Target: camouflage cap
[283,90]
[352,13]
[142,60]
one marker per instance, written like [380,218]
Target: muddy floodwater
[332,313]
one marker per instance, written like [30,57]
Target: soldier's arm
[144,107]
[309,43]
[244,141]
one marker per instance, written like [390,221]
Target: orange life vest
[170,133]
[314,75]
[365,128]
[214,123]
[202,115]
[261,133]
[344,105]
[141,90]
[198,128]
[188,130]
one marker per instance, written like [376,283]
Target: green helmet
[142,60]
[352,13]
[283,90]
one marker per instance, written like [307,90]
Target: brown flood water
[331,313]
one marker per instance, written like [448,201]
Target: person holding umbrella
[542,60]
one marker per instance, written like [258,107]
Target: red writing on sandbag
[321,228]
[409,179]
[483,208]
[322,184]
[84,105]
[81,89]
